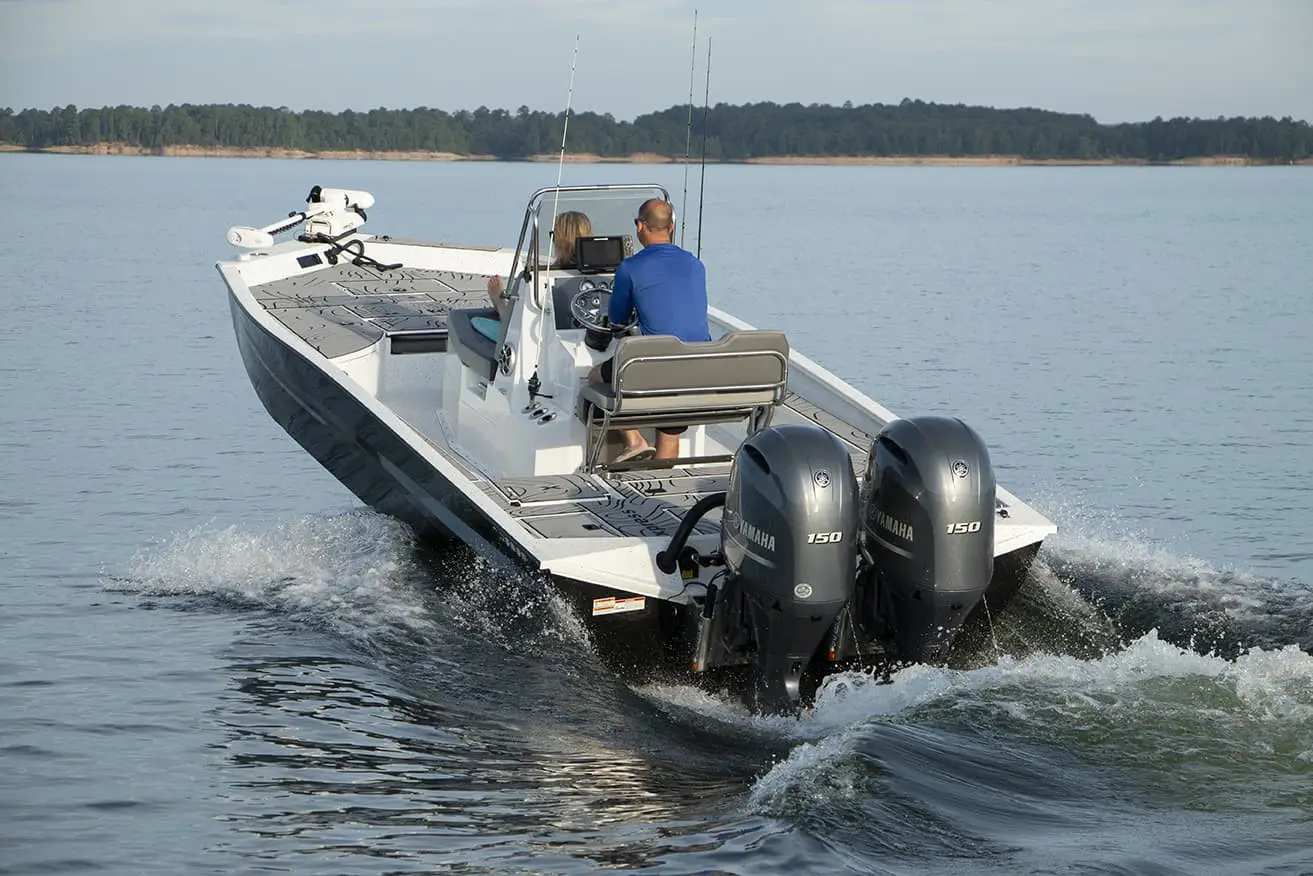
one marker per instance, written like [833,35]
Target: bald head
[658,219]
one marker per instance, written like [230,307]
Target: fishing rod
[565,128]
[533,384]
[706,103]
[560,168]
[688,132]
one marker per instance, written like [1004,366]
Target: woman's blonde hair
[569,227]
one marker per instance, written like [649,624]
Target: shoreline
[651,158]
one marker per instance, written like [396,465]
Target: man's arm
[622,296]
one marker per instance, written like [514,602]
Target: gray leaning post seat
[660,381]
[468,343]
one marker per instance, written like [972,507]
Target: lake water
[212,659]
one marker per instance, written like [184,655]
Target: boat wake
[359,575]
[1021,751]
[1187,600]
[1118,673]
[349,574]
[1089,600]
[362,576]
[438,671]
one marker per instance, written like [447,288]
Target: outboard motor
[789,537]
[927,530]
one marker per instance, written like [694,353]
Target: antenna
[706,103]
[688,134]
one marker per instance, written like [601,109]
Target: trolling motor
[330,214]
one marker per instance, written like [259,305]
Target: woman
[566,231]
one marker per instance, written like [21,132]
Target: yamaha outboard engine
[927,530]
[789,537]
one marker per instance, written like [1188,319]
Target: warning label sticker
[611,605]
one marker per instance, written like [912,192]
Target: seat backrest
[740,370]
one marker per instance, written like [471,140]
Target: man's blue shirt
[668,287]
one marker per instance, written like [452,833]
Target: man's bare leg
[667,446]
[636,448]
[634,439]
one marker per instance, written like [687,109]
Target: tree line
[734,132]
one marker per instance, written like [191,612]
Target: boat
[803,529]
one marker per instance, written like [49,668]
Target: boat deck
[344,309]
[641,503]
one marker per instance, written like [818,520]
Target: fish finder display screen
[596,255]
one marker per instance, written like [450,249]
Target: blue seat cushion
[489,328]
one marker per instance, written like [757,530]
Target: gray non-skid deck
[632,503]
[346,308]
[642,503]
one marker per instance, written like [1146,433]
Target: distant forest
[734,133]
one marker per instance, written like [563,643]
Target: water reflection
[323,755]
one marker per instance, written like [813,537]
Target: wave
[1121,672]
[1039,750]
[362,576]
[348,573]
[1189,601]
[1259,685]
[1061,720]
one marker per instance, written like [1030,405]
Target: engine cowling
[927,531]
[789,538]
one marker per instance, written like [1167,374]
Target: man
[667,286]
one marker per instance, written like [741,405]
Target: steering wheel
[590,305]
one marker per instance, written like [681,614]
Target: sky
[1118,60]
